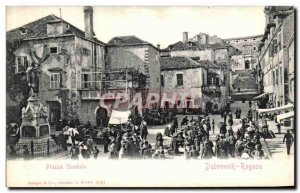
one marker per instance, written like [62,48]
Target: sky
[163,25]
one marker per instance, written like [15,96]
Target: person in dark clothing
[175,123]
[105,141]
[144,130]
[236,113]
[250,104]
[250,115]
[222,148]
[223,129]
[230,122]
[96,152]
[279,128]
[207,152]
[74,152]
[231,144]
[288,139]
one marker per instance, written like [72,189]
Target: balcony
[211,89]
[109,94]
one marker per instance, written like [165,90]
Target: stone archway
[101,116]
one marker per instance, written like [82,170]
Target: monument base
[40,140]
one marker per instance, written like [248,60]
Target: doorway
[101,117]
[54,112]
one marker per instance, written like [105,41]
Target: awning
[285,116]
[118,117]
[272,110]
[261,96]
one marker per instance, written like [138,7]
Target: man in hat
[288,139]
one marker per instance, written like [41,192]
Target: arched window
[247,64]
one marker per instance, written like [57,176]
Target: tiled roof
[208,64]
[38,28]
[194,46]
[179,62]
[182,46]
[126,40]
[219,45]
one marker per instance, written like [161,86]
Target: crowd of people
[129,141]
[192,137]
[197,144]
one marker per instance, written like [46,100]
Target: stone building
[62,65]
[274,55]
[131,52]
[216,53]
[197,85]
[76,75]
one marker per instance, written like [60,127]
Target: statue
[33,80]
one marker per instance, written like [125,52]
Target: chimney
[185,37]
[88,22]
[158,46]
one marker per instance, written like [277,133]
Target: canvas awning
[261,96]
[273,110]
[118,117]
[285,116]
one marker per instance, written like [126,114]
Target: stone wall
[207,54]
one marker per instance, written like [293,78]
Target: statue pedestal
[35,125]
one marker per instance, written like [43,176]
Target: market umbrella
[71,131]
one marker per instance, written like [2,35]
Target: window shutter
[60,80]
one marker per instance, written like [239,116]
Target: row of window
[179,80]
[245,40]
[86,81]
[274,78]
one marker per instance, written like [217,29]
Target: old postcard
[150,96]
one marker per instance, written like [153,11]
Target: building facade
[77,76]
[275,63]
[62,66]
[214,56]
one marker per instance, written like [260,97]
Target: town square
[72,96]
